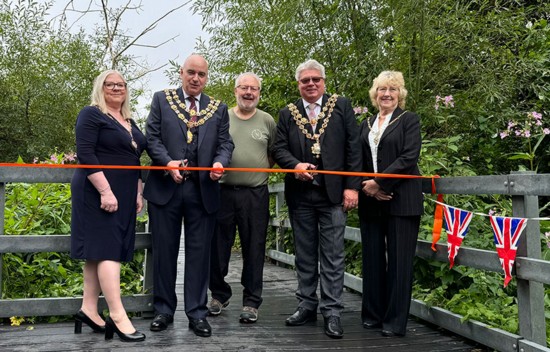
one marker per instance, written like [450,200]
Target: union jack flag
[456,223]
[507,232]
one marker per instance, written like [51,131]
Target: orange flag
[438,217]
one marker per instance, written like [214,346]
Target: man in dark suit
[318,132]
[185,128]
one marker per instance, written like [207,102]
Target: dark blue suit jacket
[166,138]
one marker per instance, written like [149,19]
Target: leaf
[520,156]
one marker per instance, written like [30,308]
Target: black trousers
[389,244]
[245,209]
[165,224]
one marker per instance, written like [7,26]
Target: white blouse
[376,134]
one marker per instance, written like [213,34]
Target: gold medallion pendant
[189,136]
[316,149]
[324,117]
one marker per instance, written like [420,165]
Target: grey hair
[98,96]
[251,74]
[310,65]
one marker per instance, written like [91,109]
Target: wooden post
[2,214]
[148,270]
[532,324]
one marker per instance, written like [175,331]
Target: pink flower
[546,131]
[511,124]
[70,157]
[492,212]
[503,135]
[527,133]
[536,115]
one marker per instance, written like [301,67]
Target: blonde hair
[98,96]
[389,79]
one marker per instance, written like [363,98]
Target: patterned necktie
[312,116]
[192,108]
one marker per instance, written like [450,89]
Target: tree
[47,71]
[112,40]
[46,78]
[491,57]
[272,37]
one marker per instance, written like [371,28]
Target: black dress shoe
[111,329]
[301,316]
[370,325]
[333,327]
[160,322]
[200,327]
[81,317]
[389,333]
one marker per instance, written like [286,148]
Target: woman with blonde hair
[389,208]
[105,203]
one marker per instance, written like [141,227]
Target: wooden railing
[30,243]
[531,272]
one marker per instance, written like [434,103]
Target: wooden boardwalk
[268,334]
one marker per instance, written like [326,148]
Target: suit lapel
[325,99]
[365,135]
[301,137]
[182,124]
[392,124]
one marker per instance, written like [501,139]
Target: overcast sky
[181,22]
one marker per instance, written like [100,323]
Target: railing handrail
[531,271]
[57,243]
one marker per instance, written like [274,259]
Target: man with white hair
[318,132]
[244,201]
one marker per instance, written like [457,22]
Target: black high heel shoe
[111,328]
[81,317]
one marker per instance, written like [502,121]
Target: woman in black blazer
[389,208]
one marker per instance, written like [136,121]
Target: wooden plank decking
[268,334]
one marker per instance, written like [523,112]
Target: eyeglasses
[112,85]
[385,89]
[311,79]
[252,88]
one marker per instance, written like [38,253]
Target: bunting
[507,232]
[456,223]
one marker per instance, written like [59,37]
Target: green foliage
[46,78]
[45,209]
[474,294]
[271,39]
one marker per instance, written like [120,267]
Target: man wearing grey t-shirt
[244,201]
